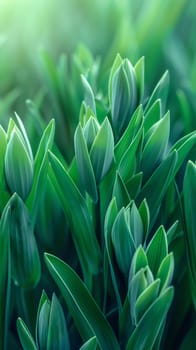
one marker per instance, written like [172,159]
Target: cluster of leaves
[117,223]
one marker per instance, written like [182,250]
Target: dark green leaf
[69,283]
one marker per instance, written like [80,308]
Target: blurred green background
[164,32]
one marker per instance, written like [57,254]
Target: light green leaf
[139,73]
[89,95]
[155,317]
[70,284]
[116,64]
[136,286]
[25,336]
[160,91]
[18,165]
[165,271]
[136,225]
[157,249]
[139,261]
[153,115]
[145,299]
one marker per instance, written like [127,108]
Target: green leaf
[139,261]
[145,216]
[25,137]
[134,185]
[102,150]
[155,146]
[136,286]
[157,185]
[25,336]
[160,92]
[70,284]
[166,270]
[122,240]
[136,225]
[3,191]
[157,249]
[127,163]
[90,344]
[40,168]
[110,217]
[89,96]
[116,64]
[83,231]
[5,276]
[139,73]
[124,96]
[25,261]
[57,337]
[83,161]
[183,147]
[42,324]
[120,192]
[18,165]
[153,115]
[155,317]
[90,131]
[189,191]
[145,299]
[129,134]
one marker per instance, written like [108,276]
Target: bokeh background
[162,31]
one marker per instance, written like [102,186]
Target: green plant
[113,221]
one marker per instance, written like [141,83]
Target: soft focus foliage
[97,175]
